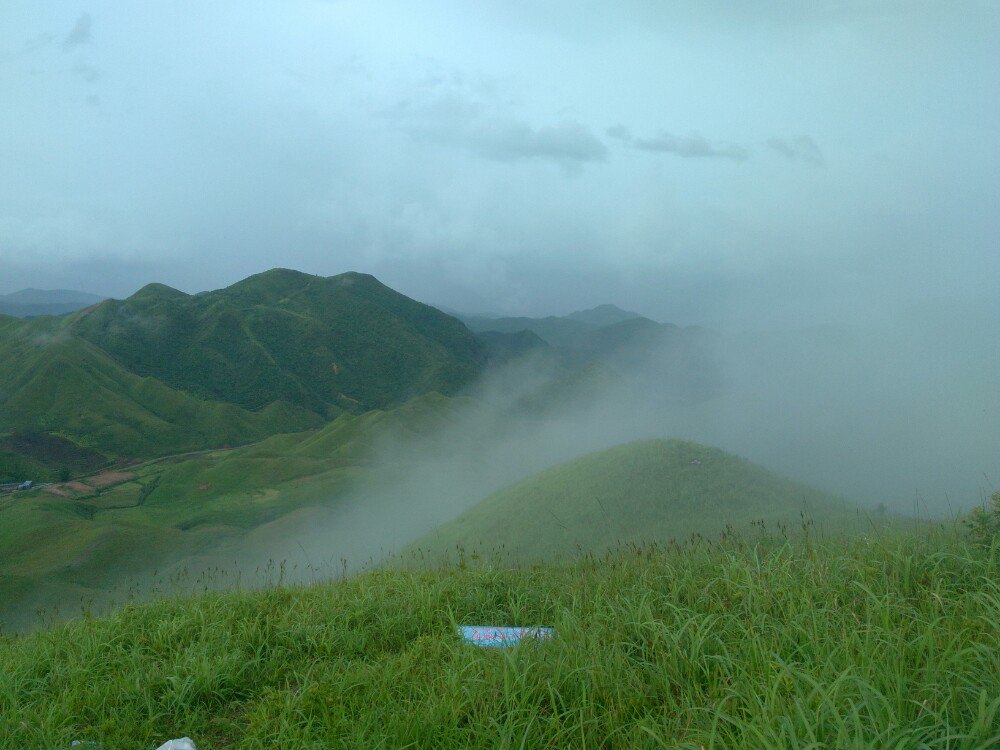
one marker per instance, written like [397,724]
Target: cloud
[30,46]
[693,146]
[79,34]
[459,122]
[619,132]
[800,148]
[690,147]
[512,141]
[88,72]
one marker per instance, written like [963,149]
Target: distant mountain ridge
[603,315]
[607,336]
[31,303]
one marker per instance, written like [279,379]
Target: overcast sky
[734,160]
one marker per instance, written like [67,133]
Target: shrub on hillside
[984,522]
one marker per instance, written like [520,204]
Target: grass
[890,640]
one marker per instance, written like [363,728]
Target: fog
[902,416]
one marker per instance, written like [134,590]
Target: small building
[25,485]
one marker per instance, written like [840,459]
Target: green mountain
[652,490]
[321,344]
[164,372]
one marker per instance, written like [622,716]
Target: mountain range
[32,303]
[164,372]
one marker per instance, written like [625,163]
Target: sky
[735,163]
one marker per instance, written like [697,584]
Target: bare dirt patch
[108,478]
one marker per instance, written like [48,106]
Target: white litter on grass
[184,743]
[496,636]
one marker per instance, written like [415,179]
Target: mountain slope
[651,490]
[323,344]
[55,382]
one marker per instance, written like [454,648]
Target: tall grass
[888,641]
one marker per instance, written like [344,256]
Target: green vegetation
[44,458]
[984,522]
[650,490]
[879,641]
[79,542]
[56,383]
[322,344]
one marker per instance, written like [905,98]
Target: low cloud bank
[901,414]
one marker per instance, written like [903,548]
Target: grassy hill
[652,490]
[881,641]
[322,344]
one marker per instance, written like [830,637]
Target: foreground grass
[874,642]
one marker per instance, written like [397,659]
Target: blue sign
[492,635]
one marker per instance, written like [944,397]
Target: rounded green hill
[650,490]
